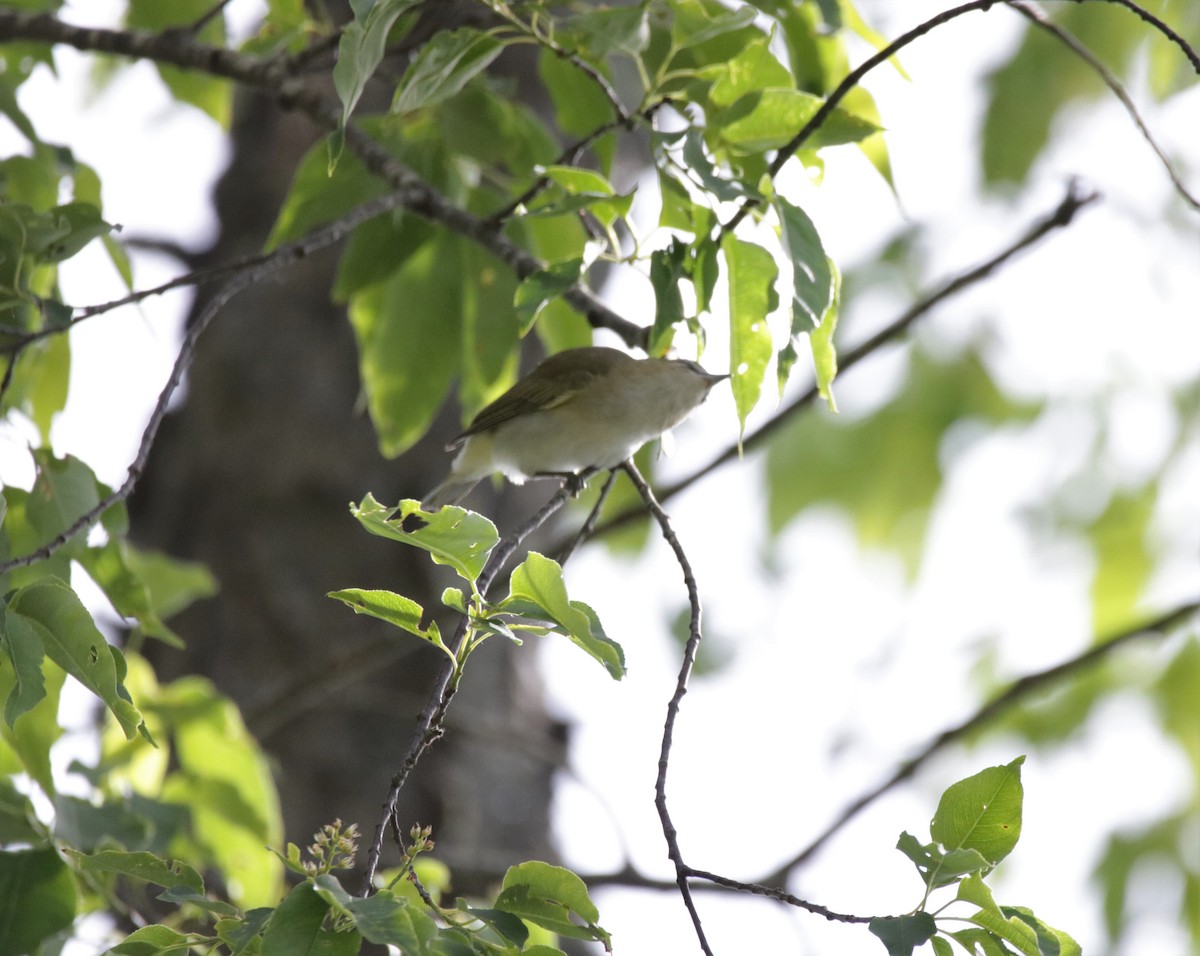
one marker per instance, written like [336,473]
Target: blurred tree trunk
[252,475]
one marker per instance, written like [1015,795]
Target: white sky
[813,706]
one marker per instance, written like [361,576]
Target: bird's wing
[532,394]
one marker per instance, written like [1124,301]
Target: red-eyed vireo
[580,410]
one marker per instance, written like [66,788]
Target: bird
[581,410]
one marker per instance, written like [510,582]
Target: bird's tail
[449,492]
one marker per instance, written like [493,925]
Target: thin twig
[1035,16]
[1017,691]
[429,726]
[682,871]
[589,526]
[1161,27]
[775,893]
[851,80]
[1072,202]
[263,267]
[202,21]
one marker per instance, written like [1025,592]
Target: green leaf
[505,924]
[141,865]
[444,66]
[537,589]
[225,781]
[241,935]
[382,918]
[603,32]
[976,941]
[982,812]
[769,119]
[666,269]
[20,642]
[360,51]
[824,352]
[318,196]
[151,941]
[37,899]
[1015,931]
[34,733]
[938,868]
[754,69]
[18,819]
[1124,561]
[941,946]
[548,896]
[44,393]
[393,608]
[974,890]
[752,297]
[298,926]
[409,333]
[580,105]
[455,537]
[65,489]
[540,288]
[812,275]
[1042,79]
[78,223]
[902,934]
[695,24]
[71,640]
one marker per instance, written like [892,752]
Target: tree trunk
[252,476]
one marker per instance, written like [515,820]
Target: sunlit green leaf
[982,812]
[72,641]
[37,898]
[548,896]
[537,590]
[360,51]
[409,330]
[394,608]
[443,67]
[225,780]
[752,297]
[454,536]
[298,925]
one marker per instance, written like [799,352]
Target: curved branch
[1035,16]
[1015,693]
[851,80]
[270,75]
[682,870]
[1163,28]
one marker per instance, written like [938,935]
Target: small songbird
[581,410]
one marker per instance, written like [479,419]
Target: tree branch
[430,721]
[256,271]
[178,49]
[1062,215]
[1015,693]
